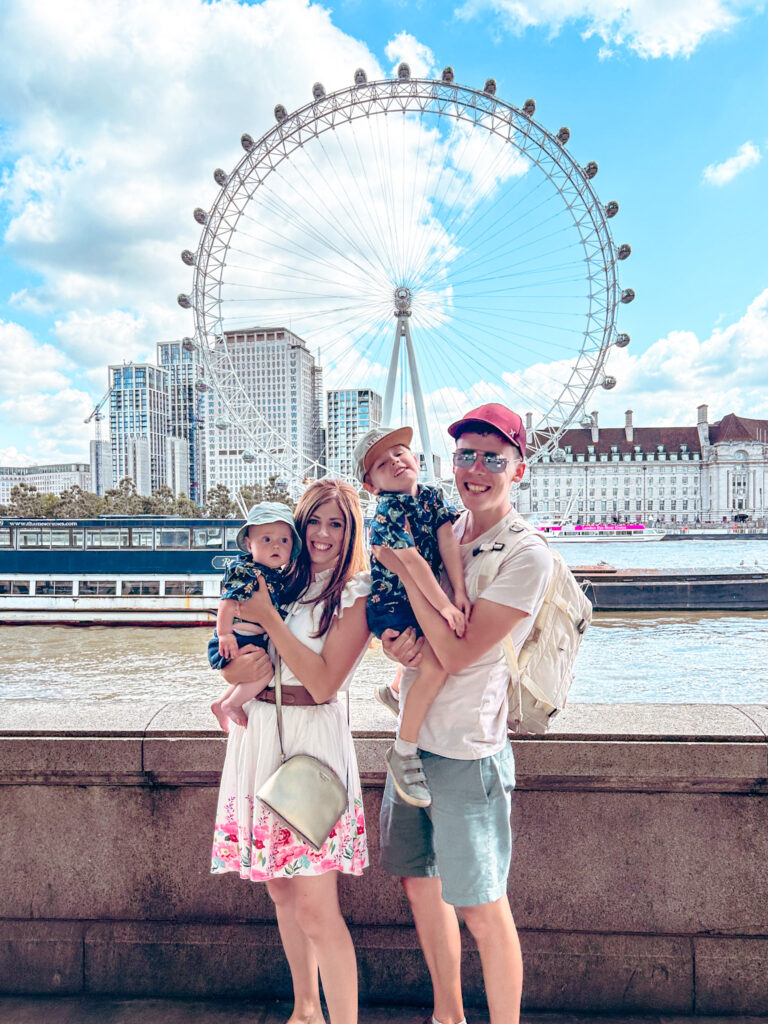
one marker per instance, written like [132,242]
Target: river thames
[710,657]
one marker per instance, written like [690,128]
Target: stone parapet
[638,879]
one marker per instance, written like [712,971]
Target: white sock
[406,749]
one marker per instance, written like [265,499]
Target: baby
[415,518]
[270,541]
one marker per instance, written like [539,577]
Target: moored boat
[563,532]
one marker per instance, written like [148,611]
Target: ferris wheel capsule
[490,87]
[623,252]
[221,423]
[529,108]
[447,75]
[188,344]
[200,215]
[524,485]
[280,113]
[608,383]
[622,340]
[201,386]
[627,295]
[563,135]
[404,72]
[318,91]
[246,141]
[590,170]
[220,177]
[360,77]
[249,456]
[612,208]
[184,301]
[188,258]
[558,455]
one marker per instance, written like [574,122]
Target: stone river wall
[639,881]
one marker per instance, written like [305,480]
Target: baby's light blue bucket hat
[269,512]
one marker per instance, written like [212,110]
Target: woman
[320,643]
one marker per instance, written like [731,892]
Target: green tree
[277,491]
[75,503]
[161,502]
[123,500]
[251,494]
[51,506]
[184,506]
[218,504]
[26,501]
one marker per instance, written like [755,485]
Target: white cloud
[94,339]
[649,28]
[746,156]
[13,457]
[26,365]
[418,56]
[663,385]
[114,117]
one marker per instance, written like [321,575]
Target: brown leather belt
[293,696]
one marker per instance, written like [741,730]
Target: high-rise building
[138,410]
[280,377]
[185,410]
[177,465]
[352,412]
[101,466]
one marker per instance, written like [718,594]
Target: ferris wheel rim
[412,95]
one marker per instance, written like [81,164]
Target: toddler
[412,516]
[270,541]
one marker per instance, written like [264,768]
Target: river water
[710,657]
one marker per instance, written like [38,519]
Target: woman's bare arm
[320,673]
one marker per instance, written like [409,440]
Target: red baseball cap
[502,419]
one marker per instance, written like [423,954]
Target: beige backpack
[542,673]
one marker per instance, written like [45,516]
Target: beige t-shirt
[468,718]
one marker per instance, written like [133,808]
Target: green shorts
[464,837]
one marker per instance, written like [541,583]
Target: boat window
[6,539]
[61,538]
[102,538]
[98,588]
[14,587]
[176,539]
[208,537]
[32,537]
[132,588]
[141,538]
[183,588]
[232,532]
[62,588]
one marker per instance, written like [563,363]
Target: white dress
[248,838]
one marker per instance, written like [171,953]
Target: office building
[351,413]
[280,378]
[51,479]
[186,404]
[710,473]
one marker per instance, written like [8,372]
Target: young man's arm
[489,624]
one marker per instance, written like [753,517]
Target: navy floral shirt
[425,514]
[240,580]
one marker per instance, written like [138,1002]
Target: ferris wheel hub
[402,301]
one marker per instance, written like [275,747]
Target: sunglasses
[463,458]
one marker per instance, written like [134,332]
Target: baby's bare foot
[235,713]
[221,716]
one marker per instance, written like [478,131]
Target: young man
[457,852]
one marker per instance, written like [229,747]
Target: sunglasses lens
[494,463]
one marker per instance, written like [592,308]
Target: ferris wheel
[425,240]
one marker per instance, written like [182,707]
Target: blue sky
[112,117]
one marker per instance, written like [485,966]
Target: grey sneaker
[408,778]
[385,695]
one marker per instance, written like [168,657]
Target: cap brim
[403,435]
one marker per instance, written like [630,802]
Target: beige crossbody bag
[305,794]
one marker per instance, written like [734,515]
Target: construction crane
[97,415]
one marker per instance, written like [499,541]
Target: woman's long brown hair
[353,558]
